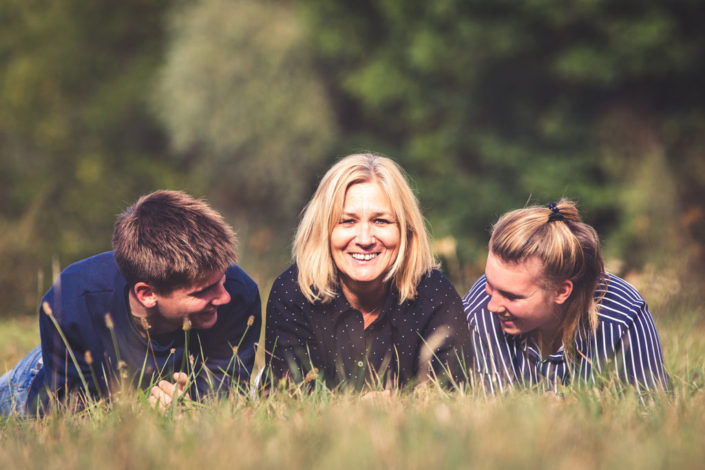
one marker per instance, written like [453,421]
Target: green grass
[17,337]
[424,428]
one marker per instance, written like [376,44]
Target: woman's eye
[382,221]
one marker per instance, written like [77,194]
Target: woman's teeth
[364,256]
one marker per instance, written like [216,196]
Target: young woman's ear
[145,294]
[563,291]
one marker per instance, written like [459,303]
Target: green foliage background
[487,104]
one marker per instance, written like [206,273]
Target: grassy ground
[426,428]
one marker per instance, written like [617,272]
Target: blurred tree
[76,139]
[486,103]
[242,102]
[492,103]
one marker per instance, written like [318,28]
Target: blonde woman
[363,301]
[546,313]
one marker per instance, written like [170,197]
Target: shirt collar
[530,346]
[341,305]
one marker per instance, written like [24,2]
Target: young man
[167,302]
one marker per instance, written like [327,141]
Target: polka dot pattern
[403,341]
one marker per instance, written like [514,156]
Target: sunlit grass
[423,428]
[17,337]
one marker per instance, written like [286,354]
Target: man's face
[518,298]
[198,302]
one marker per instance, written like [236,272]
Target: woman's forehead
[510,273]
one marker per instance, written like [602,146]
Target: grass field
[426,428]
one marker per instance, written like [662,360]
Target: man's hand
[166,392]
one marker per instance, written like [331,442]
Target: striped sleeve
[638,352]
[491,352]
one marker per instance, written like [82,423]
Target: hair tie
[555,212]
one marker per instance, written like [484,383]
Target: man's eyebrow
[203,289]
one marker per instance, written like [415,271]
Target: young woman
[363,300]
[546,313]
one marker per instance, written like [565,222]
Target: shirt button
[360,363]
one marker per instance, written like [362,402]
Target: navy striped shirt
[625,343]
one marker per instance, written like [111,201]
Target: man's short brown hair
[169,240]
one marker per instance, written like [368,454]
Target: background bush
[487,104]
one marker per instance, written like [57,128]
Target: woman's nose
[365,235]
[495,305]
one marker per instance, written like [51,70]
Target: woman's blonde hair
[318,276]
[569,250]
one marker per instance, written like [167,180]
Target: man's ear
[563,291]
[145,294]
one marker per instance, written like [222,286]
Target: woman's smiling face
[518,298]
[365,241]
